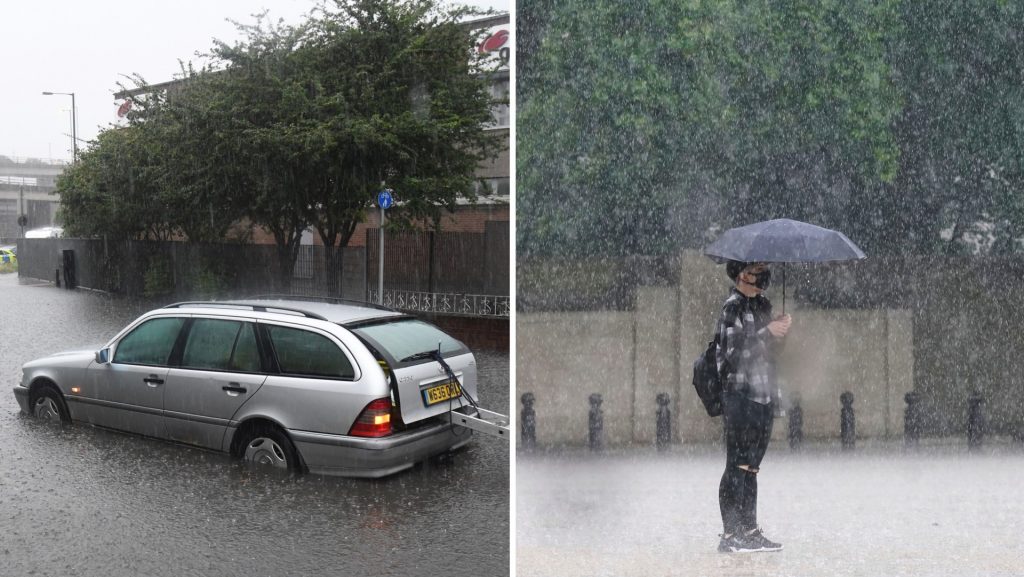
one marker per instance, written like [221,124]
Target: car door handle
[234,388]
[153,381]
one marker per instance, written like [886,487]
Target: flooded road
[85,501]
[937,512]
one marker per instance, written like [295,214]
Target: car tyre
[48,404]
[268,445]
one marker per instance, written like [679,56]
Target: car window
[149,343]
[405,338]
[302,352]
[246,356]
[221,345]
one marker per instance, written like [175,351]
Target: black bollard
[529,423]
[596,423]
[796,426]
[912,419]
[975,421]
[664,430]
[847,421]
[58,278]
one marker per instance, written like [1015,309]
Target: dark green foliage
[297,127]
[646,127]
[158,279]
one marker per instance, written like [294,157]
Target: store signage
[497,45]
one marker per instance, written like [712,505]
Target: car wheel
[48,405]
[269,446]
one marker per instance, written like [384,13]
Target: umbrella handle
[783,288]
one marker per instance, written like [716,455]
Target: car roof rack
[335,300]
[257,308]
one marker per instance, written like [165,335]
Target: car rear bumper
[347,456]
[21,394]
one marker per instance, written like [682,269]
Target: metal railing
[446,303]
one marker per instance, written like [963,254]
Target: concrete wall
[631,356]
[564,357]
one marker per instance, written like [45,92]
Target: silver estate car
[337,389]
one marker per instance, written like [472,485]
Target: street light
[74,122]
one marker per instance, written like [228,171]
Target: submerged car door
[318,386]
[128,393]
[220,369]
[423,385]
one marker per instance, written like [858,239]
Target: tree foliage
[294,127]
[647,127]
[113,189]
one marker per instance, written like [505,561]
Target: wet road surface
[86,501]
[879,512]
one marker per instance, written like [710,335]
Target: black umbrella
[783,241]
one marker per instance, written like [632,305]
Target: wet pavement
[85,501]
[880,511]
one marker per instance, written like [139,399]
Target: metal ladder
[487,422]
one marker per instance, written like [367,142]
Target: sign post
[22,219]
[384,202]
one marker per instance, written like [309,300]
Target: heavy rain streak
[85,501]
[894,389]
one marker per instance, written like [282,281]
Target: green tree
[898,122]
[298,126]
[113,189]
[960,67]
[651,125]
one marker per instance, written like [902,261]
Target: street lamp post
[74,122]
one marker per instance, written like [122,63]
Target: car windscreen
[408,341]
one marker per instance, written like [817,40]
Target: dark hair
[733,268]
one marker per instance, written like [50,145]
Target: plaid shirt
[746,350]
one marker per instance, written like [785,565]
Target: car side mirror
[103,356]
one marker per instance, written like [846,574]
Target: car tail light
[374,421]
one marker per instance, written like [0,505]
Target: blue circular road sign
[384,199]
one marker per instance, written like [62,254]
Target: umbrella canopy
[783,240]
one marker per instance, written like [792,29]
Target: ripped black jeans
[748,429]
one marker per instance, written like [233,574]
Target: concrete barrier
[631,356]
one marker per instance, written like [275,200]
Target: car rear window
[302,352]
[408,337]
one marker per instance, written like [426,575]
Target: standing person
[749,340]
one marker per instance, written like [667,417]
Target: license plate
[441,393]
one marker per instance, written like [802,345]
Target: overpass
[27,186]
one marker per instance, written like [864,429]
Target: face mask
[764,279]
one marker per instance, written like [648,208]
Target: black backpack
[707,381]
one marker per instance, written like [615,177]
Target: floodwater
[86,501]
[880,511]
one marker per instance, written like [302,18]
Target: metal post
[664,422]
[380,258]
[74,129]
[975,421]
[529,422]
[796,426]
[847,421]
[21,209]
[912,419]
[74,122]
[596,423]
[430,262]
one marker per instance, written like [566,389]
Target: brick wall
[476,333]
[465,219]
